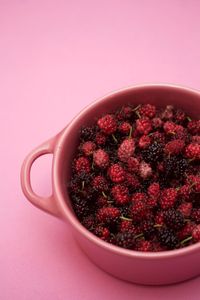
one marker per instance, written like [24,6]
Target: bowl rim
[68,214]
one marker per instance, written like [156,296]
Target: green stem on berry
[83,185]
[136,108]
[130,132]
[186,240]
[93,165]
[191,160]
[189,119]
[157,226]
[110,202]
[139,235]
[105,196]
[172,132]
[114,138]
[125,218]
[138,114]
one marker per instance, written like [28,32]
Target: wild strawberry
[101,158]
[192,151]
[100,183]
[133,164]
[100,138]
[82,164]
[147,110]
[88,148]
[125,128]
[107,124]
[145,170]
[194,127]
[185,209]
[108,214]
[144,141]
[168,198]
[126,149]
[196,233]
[121,194]
[116,173]
[143,126]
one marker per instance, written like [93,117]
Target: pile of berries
[135,178]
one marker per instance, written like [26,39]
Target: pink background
[56,57]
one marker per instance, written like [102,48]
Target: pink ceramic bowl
[144,268]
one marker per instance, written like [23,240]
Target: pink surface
[56,57]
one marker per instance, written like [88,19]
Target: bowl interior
[160,95]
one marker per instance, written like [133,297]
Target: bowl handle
[47,204]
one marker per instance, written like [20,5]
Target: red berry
[196,139]
[116,173]
[186,231]
[125,127]
[195,216]
[192,151]
[138,197]
[101,158]
[174,147]
[144,141]
[107,124]
[185,209]
[168,198]
[194,182]
[159,218]
[169,127]
[139,210]
[133,164]
[107,214]
[147,110]
[100,183]
[82,164]
[143,125]
[102,232]
[100,138]
[154,190]
[196,233]
[125,113]
[168,113]
[184,192]
[102,201]
[120,194]
[157,123]
[145,246]
[145,170]
[194,127]
[88,148]
[132,180]
[126,149]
